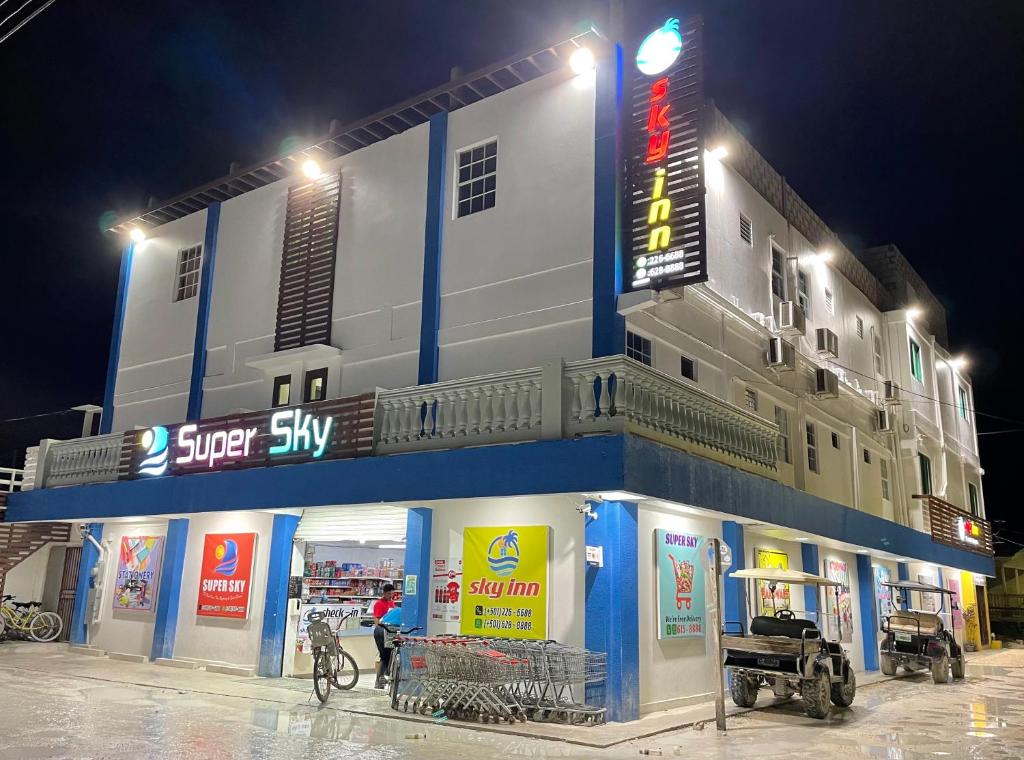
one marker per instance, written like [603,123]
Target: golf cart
[785,653]
[918,639]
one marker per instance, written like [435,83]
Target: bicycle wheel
[347,675]
[322,675]
[46,626]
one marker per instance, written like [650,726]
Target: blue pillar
[608,327]
[868,611]
[195,389]
[903,574]
[275,608]
[612,620]
[166,626]
[734,590]
[809,557]
[416,607]
[79,625]
[433,237]
[114,357]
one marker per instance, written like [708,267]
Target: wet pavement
[57,704]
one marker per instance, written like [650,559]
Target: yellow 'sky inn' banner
[505,581]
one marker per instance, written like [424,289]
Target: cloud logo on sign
[503,553]
[154,441]
[227,555]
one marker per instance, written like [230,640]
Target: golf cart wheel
[744,690]
[887,665]
[843,693]
[816,692]
[958,666]
[940,669]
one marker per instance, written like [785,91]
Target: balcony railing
[97,459]
[950,525]
[10,482]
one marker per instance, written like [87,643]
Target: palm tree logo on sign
[503,553]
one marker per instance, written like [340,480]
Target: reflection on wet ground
[45,712]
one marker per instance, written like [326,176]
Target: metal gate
[68,586]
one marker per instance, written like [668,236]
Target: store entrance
[343,560]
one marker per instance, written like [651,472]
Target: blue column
[809,557]
[195,389]
[612,620]
[903,574]
[169,595]
[79,625]
[868,611]
[416,607]
[608,327]
[734,590]
[275,608]
[114,357]
[433,237]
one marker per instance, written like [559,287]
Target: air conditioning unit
[791,319]
[828,343]
[781,354]
[883,422]
[826,384]
[892,392]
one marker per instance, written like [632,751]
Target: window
[186,283]
[962,401]
[883,466]
[688,368]
[803,295]
[782,420]
[751,399]
[746,231]
[638,347]
[878,353]
[860,328]
[282,391]
[778,274]
[830,302]
[478,176]
[972,494]
[916,368]
[926,473]
[812,449]
[867,457]
[835,440]
[316,385]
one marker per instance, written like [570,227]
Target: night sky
[896,122]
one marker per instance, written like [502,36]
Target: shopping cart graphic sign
[680,585]
[505,581]
[226,575]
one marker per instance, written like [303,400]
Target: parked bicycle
[26,619]
[332,665]
[394,638]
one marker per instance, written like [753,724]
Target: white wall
[220,639]
[568,553]
[26,580]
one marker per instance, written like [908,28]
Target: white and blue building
[458,285]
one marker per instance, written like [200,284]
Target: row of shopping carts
[494,680]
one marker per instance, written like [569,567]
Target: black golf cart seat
[766,625]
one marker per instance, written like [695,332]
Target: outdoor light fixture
[137,235]
[913,313]
[803,538]
[311,169]
[823,256]
[959,362]
[581,61]
[719,152]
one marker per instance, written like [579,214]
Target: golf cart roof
[783,576]
[918,586]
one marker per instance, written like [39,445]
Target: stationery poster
[445,589]
[680,585]
[226,575]
[138,572]
[505,589]
[768,558]
[883,593]
[838,571]
[953,584]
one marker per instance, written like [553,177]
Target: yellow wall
[968,597]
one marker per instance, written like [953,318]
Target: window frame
[876,348]
[645,342]
[180,290]
[973,499]
[835,441]
[750,400]
[830,301]
[777,254]
[962,401]
[867,456]
[883,467]
[916,363]
[926,472]
[782,421]
[307,384]
[803,292]
[683,359]
[458,183]
[811,433]
[279,382]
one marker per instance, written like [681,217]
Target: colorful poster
[680,585]
[138,573]
[341,617]
[505,589]
[768,558]
[838,571]
[954,607]
[929,602]
[446,590]
[226,575]
[883,594]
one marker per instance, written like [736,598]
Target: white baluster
[536,403]
[577,405]
[605,397]
[487,423]
[428,417]
[620,391]
[499,416]
[523,405]
[473,418]
[385,420]
[461,412]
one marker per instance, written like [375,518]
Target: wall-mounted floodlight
[137,235]
[581,61]
[311,169]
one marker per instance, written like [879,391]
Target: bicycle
[25,618]
[394,638]
[331,662]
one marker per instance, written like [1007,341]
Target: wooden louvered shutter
[306,289]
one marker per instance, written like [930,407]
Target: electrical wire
[26,20]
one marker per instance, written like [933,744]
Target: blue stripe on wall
[608,327]
[195,390]
[79,624]
[433,237]
[120,304]
[415,607]
[165,627]
[810,564]
[734,590]
[275,608]
[868,611]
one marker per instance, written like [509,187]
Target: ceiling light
[803,538]
[581,61]
[137,235]
[621,496]
[913,313]
[719,152]
[311,169]
[391,546]
[862,551]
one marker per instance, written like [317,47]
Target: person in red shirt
[381,608]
